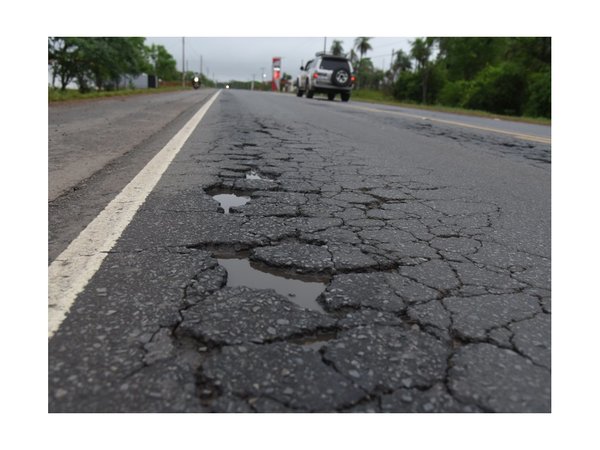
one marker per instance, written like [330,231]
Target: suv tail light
[315,75]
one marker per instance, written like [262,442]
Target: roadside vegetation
[105,66]
[58,95]
[508,76]
[378,96]
[500,76]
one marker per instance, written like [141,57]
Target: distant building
[142,81]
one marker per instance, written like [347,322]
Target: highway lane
[522,130]
[84,136]
[96,147]
[431,241]
[512,171]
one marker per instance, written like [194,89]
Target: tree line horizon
[502,75]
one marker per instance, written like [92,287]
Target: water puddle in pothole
[302,290]
[228,201]
[254,175]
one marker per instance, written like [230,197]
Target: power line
[377,56]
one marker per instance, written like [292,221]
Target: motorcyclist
[196,82]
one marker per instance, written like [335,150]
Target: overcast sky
[238,58]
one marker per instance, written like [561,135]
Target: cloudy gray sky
[239,58]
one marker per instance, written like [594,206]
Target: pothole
[303,290]
[254,175]
[227,198]
[228,201]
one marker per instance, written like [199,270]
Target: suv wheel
[340,77]
[345,96]
[309,93]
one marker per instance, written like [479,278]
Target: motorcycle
[196,82]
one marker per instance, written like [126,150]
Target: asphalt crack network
[322,210]
[421,304]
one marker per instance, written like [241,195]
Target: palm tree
[402,61]
[353,58]
[336,48]
[421,52]
[400,64]
[363,46]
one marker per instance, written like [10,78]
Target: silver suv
[327,74]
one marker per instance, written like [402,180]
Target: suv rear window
[334,64]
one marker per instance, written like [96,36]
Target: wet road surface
[431,243]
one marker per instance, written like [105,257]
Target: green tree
[401,63]
[99,61]
[533,53]
[336,48]
[105,61]
[455,93]
[539,95]
[499,89]
[81,61]
[369,76]
[164,65]
[363,45]
[130,56]
[61,60]
[464,57]
[421,49]
[408,87]
[533,56]
[506,75]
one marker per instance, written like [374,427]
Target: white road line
[69,274]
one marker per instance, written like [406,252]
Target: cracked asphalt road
[434,242]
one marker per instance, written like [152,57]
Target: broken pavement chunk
[388,358]
[472,317]
[362,290]
[498,380]
[237,315]
[304,258]
[290,374]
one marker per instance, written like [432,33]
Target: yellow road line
[525,137]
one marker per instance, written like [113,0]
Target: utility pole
[154,56]
[325,45]
[183,61]
[200,66]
